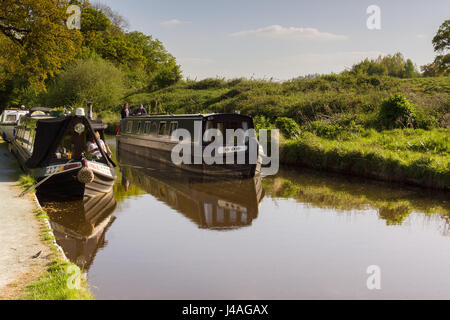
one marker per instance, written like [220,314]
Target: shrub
[397,111]
[209,83]
[330,131]
[288,127]
[91,80]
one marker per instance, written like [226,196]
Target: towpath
[19,234]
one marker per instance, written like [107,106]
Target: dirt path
[19,234]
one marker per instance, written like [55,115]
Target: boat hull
[154,150]
[67,186]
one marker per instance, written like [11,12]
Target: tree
[392,65]
[91,80]
[35,42]
[441,40]
[441,44]
[142,58]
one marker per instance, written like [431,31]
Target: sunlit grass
[53,284]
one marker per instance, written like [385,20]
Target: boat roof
[188,116]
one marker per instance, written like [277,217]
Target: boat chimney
[90,114]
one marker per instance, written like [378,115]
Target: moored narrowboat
[150,137]
[54,150]
[8,121]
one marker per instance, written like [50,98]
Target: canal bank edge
[48,277]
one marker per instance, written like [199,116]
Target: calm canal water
[298,235]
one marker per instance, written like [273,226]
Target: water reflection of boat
[80,226]
[210,203]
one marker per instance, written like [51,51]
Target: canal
[297,235]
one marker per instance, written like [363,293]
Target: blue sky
[286,38]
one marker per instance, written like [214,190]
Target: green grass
[413,156]
[339,119]
[26,181]
[303,100]
[53,284]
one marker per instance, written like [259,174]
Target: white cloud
[293,33]
[172,23]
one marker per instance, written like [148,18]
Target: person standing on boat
[125,111]
[140,111]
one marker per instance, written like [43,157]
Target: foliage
[288,127]
[397,111]
[144,59]
[441,43]
[392,65]
[441,40]
[95,81]
[439,67]
[35,43]
[402,155]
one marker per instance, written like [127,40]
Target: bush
[397,111]
[91,80]
[288,127]
[209,83]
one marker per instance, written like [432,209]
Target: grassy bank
[416,157]
[54,283]
[338,119]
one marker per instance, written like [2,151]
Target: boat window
[173,127]
[245,125]
[148,127]
[209,125]
[162,128]
[20,133]
[138,127]
[154,128]
[129,126]
[221,127]
[11,118]
[26,136]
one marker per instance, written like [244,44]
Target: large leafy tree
[441,44]
[139,55]
[35,42]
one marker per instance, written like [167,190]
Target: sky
[283,39]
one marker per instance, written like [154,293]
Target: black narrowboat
[209,202]
[54,151]
[150,137]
